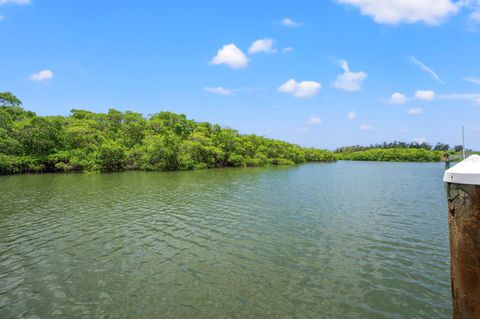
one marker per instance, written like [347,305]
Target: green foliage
[236,160]
[397,152]
[393,155]
[316,155]
[8,99]
[111,156]
[441,147]
[385,145]
[89,142]
[10,164]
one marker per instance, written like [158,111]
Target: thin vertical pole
[463,141]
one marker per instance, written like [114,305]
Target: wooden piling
[464,231]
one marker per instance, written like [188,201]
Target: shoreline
[207,169]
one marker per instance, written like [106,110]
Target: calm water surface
[340,240]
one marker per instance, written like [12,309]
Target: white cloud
[351,115]
[288,22]
[313,120]
[397,98]
[262,45]
[2,2]
[219,90]
[406,11]
[426,95]
[460,96]
[414,111]
[426,69]
[42,75]
[288,49]
[474,17]
[300,89]
[230,55]
[473,80]
[366,127]
[421,140]
[469,97]
[348,80]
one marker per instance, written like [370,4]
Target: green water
[339,240]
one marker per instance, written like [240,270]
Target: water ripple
[344,240]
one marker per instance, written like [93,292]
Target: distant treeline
[402,145]
[393,155]
[87,141]
[398,152]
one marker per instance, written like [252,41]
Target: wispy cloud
[366,127]
[288,22]
[348,80]
[2,2]
[474,17]
[287,49]
[21,2]
[218,90]
[262,45]
[415,111]
[460,96]
[426,69]
[468,97]
[313,120]
[351,115]
[472,80]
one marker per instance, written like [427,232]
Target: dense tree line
[398,152]
[392,155]
[113,141]
[401,145]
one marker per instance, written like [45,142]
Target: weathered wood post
[463,188]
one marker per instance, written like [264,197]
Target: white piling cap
[465,172]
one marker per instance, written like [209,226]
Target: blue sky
[321,73]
